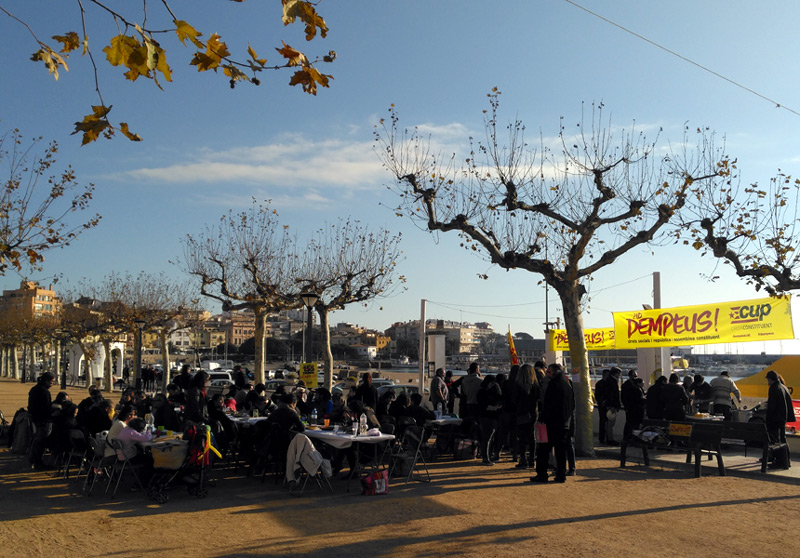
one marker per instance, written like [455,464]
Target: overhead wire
[684,58]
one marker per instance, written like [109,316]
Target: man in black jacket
[779,412]
[557,409]
[633,400]
[39,407]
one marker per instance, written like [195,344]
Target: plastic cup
[326,422]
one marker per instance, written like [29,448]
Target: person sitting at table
[241,395]
[230,398]
[416,411]
[196,403]
[323,402]
[285,415]
[142,402]
[131,437]
[366,392]
[276,397]
[283,423]
[256,399]
[384,402]
[126,398]
[95,396]
[98,418]
[164,414]
[224,429]
[175,395]
[397,408]
[125,415]
[303,404]
[63,421]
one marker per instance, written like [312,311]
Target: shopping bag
[375,483]
[541,432]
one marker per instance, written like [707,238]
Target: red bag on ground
[375,483]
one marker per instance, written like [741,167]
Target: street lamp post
[138,353]
[309,299]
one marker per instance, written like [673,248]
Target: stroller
[182,462]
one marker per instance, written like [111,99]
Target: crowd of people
[528,414]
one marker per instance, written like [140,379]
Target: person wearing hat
[633,400]
[722,387]
[779,412]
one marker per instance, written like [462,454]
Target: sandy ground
[468,510]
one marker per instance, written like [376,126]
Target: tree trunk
[261,345]
[164,360]
[108,378]
[326,336]
[570,295]
[14,363]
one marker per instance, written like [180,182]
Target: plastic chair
[120,466]
[78,450]
[409,451]
[97,464]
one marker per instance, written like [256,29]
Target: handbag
[541,432]
[375,483]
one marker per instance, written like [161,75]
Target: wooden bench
[751,433]
[698,438]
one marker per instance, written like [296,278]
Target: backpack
[21,432]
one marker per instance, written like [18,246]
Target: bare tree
[347,263]
[590,198]
[153,301]
[35,209]
[752,228]
[248,262]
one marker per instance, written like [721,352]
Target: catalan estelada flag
[512,349]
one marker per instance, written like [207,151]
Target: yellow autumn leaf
[123,127]
[186,31]
[308,78]
[93,124]
[304,10]
[52,60]
[69,42]
[293,56]
[254,56]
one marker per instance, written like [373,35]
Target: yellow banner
[596,339]
[764,319]
[308,373]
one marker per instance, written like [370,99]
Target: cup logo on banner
[727,322]
[308,373]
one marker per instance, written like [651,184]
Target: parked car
[220,375]
[408,389]
[218,386]
[272,385]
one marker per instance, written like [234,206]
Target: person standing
[490,400]
[439,391]
[722,387]
[599,397]
[366,392]
[674,399]
[557,409]
[612,403]
[633,400]
[702,393]
[779,411]
[654,404]
[40,408]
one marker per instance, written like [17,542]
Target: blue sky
[208,148]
